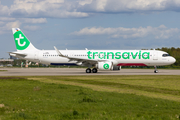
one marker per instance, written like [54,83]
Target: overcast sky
[92,24]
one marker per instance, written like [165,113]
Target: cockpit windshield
[165,55]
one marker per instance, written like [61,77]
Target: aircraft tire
[94,70]
[88,70]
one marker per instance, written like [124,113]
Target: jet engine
[116,67]
[105,66]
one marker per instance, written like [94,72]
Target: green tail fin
[21,41]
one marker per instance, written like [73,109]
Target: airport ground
[70,93]
[80,71]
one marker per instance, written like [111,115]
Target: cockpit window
[165,55]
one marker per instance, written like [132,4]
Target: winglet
[58,52]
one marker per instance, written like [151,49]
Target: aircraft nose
[173,60]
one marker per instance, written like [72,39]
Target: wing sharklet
[59,53]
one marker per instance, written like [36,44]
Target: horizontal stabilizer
[15,54]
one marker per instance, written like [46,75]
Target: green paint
[102,55]
[134,56]
[108,54]
[118,56]
[139,54]
[89,53]
[126,57]
[145,57]
[106,66]
[21,41]
[94,53]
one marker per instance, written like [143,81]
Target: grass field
[3,70]
[90,97]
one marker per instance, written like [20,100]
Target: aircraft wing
[78,60]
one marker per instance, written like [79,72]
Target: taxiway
[80,71]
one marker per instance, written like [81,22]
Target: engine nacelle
[116,67]
[79,64]
[105,66]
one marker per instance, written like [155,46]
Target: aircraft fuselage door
[36,55]
[155,55]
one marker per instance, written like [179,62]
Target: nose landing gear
[155,69]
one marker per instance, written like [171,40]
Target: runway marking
[111,89]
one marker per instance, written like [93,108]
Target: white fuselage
[118,57]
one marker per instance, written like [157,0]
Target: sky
[92,24]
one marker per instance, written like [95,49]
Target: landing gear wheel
[155,71]
[88,70]
[94,70]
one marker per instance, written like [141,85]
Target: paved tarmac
[80,71]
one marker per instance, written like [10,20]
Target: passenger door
[155,55]
[36,55]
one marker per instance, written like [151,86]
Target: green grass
[3,70]
[90,97]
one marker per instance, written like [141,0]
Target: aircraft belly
[134,62]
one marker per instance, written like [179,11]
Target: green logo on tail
[21,41]
[106,66]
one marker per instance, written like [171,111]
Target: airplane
[98,59]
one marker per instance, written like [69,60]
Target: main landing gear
[94,70]
[155,69]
